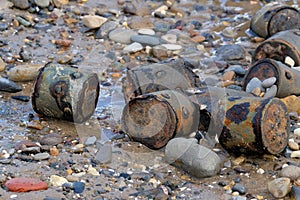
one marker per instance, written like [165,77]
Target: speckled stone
[279,187]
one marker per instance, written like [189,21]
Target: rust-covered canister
[244,124]
[155,118]
[64,92]
[282,45]
[274,17]
[174,75]
[287,78]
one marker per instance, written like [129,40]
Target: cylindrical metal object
[280,46]
[244,124]
[273,18]
[288,79]
[156,77]
[65,93]
[154,118]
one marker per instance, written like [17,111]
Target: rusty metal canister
[274,17]
[242,123]
[155,118]
[287,78]
[156,77]
[280,46]
[64,92]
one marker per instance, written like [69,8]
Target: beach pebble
[93,21]
[25,184]
[195,159]
[279,187]
[269,82]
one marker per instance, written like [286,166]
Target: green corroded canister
[64,92]
[273,18]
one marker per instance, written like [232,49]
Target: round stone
[269,82]
[271,92]
[25,184]
[279,187]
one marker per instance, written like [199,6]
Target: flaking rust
[243,123]
[63,92]
[174,75]
[155,118]
[273,18]
[282,45]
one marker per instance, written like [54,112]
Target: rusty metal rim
[274,147]
[276,11]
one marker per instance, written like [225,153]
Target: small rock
[145,40]
[293,145]
[160,52]
[78,187]
[260,171]
[93,21]
[138,22]
[198,39]
[238,69]
[279,187]
[170,38]
[51,139]
[25,184]
[21,98]
[132,48]
[271,92]
[54,151]
[102,32]
[22,4]
[27,72]
[41,156]
[290,61]
[228,76]
[59,3]
[256,91]
[25,144]
[72,178]
[193,158]
[229,32]
[7,85]
[292,172]
[42,3]
[172,47]
[297,132]
[239,160]
[122,35]
[230,52]
[295,192]
[90,140]
[269,82]
[104,154]
[146,31]
[36,124]
[295,154]
[93,171]
[2,65]
[254,83]
[239,188]
[57,181]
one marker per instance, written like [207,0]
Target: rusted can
[66,93]
[273,18]
[156,77]
[282,46]
[244,124]
[155,118]
[287,78]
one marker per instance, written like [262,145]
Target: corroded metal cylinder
[64,92]
[287,78]
[273,18]
[244,124]
[156,77]
[155,118]
[282,45]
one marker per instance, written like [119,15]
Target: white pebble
[297,131]
[288,60]
[260,171]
